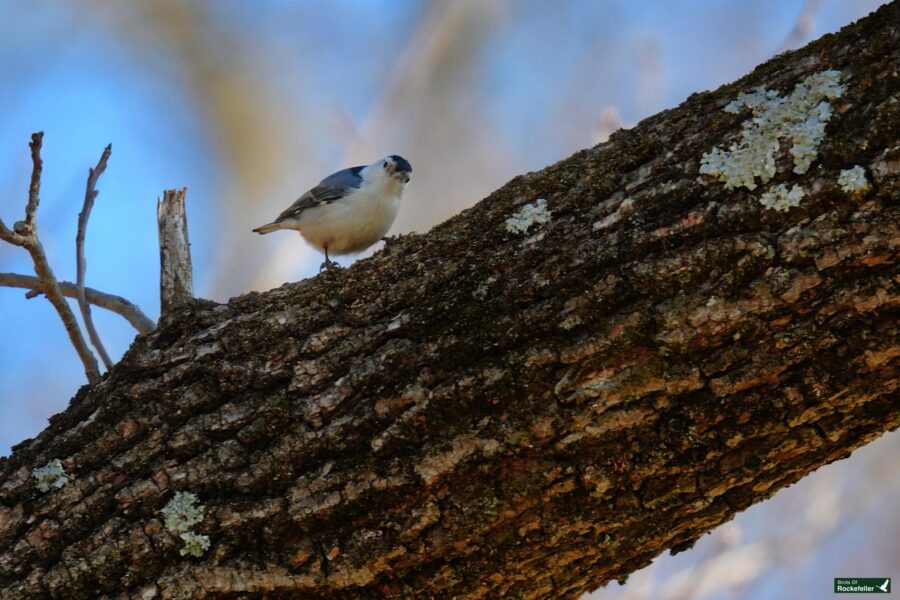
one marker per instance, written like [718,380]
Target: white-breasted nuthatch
[349,210]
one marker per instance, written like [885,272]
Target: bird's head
[397,167]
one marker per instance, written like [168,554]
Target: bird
[884,586]
[348,211]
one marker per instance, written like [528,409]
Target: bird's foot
[328,265]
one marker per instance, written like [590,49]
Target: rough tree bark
[477,412]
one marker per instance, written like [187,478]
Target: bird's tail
[270,227]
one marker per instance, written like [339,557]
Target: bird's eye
[385,165]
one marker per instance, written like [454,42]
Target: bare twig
[34,188]
[175,271]
[117,304]
[25,234]
[90,193]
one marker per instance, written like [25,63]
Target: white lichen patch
[528,216]
[799,118]
[853,180]
[180,514]
[51,475]
[780,198]
[195,544]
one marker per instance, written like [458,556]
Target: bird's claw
[328,265]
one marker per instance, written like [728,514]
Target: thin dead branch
[117,304]
[25,235]
[90,193]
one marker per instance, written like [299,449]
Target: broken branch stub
[175,273]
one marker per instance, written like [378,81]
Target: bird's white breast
[357,220]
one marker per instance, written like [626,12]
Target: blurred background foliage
[248,104]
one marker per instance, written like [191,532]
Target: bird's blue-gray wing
[335,186]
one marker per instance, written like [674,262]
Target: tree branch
[117,304]
[25,234]
[90,194]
